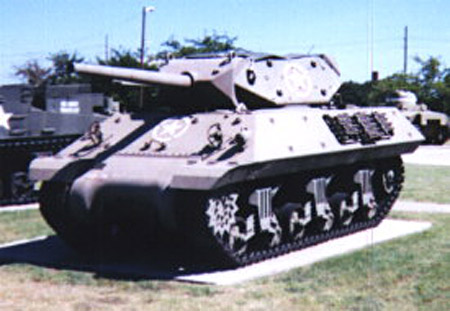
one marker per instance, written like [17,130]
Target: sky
[360,35]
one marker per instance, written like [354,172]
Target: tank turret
[435,126]
[260,165]
[245,80]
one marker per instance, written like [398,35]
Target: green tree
[352,93]
[443,88]
[431,84]
[127,95]
[60,72]
[122,58]
[62,68]
[214,43]
[430,71]
[33,73]
[380,91]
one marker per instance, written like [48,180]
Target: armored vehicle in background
[434,125]
[35,121]
[252,162]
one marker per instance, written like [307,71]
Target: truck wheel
[442,136]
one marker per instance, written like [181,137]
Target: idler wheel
[111,229]
[387,180]
[53,206]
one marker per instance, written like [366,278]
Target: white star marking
[4,118]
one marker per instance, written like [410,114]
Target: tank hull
[243,187]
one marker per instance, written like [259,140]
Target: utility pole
[370,35]
[405,52]
[145,10]
[106,49]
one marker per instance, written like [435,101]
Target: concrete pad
[52,252]
[22,207]
[387,230]
[421,207]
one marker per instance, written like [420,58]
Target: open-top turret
[238,80]
[261,165]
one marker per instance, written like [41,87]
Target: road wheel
[21,187]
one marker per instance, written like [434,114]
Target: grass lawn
[22,225]
[426,184]
[411,273]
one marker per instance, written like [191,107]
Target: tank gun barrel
[136,75]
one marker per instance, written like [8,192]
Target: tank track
[15,157]
[244,241]
[247,222]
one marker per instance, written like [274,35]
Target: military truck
[252,162]
[40,121]
[434,125]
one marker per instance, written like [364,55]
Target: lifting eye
[251,76]
[95,133]
[154,145]
[215,136]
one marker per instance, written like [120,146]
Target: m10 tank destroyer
[37,121]
[435,126]
[253,162]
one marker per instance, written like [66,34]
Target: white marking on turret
[298,80]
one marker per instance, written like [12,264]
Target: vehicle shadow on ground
[52,252]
